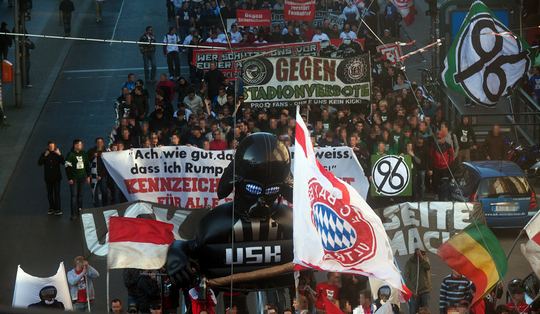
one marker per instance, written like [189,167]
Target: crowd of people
[153,292]
[205,109]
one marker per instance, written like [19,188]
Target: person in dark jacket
[494,145]
[149,292]
[421,151]
[78,173]
[214,79]
[417,277]
[148,52]
[140,103]
[52,161]
[5,41]
[66,9]
[100,191]
[466,139]
[131,277]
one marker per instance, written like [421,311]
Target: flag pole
[514,244]
[108,292]
[87,292]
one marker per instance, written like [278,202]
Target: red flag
[254,17]
[138,243]
[299,10]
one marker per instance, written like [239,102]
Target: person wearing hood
[78,173]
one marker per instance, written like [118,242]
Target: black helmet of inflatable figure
[261,174]
[47,293]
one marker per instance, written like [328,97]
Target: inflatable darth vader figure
[250,233]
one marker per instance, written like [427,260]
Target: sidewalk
[46,61]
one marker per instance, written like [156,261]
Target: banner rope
[119,41]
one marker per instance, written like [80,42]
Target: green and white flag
[486,58]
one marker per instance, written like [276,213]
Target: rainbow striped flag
[477,254]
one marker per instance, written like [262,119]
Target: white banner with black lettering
[425,225]
[188,177]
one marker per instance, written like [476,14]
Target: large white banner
[27,288]
[188,177]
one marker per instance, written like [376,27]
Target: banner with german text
[188,177]
[426,225]
[291,81]
[225,59]
[278,18]
[299,10]
[254,18]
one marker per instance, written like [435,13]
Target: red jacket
[438,157]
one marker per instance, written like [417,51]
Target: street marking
[83,77]
[104,76]
[74,101]
[117,19]
[97,100]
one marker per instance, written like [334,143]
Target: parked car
[501,187]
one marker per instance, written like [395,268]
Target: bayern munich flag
[334,228]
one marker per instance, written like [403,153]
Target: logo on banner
[257,71]
[345,235]
[353,70]
[390,175]
[485,48]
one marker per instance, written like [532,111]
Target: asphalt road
[80,106]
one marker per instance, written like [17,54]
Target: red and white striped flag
[533,228]
[334,228]
[531,249]
[138,243]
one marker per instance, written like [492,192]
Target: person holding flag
[81,284]
[334,228]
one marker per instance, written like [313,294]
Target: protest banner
[278,18]
[95,221]
[390,52]
[426,225]
[188,177]
[299,10]
[27,288]
[391,175]
[342,162]
[291,81]
[185,177]
[225,59]
[253,18]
